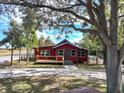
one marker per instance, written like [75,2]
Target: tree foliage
[93,45]
[30,27]
[14,35]
[45,42]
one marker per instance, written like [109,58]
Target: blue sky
[4,25]
[72,37]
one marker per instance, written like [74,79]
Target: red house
[64,51]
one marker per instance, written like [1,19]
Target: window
[60,52]
[81,53]
[42,52]
[73,53]
[45,53]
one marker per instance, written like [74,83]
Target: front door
[67,54]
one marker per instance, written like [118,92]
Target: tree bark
[11,56]
[27,54]
[19,54]
[113,70]
[113,67]
[105,56]
[96,57]
[11,53]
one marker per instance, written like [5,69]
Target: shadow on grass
[46,84]
[25,84]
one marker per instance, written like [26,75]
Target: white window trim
[71,52]
[45,51]
[41,52]
[59,50]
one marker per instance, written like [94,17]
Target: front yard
[47,84]
[51,83]
[91,67]
[24,64]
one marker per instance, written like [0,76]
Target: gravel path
[67,71]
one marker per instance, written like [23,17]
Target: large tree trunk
[113,70]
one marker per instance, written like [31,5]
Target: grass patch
[24,64]
[21,87]
[47,84]
[92,67]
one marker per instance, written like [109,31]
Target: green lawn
[47,84]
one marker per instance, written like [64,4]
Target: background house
[63,51]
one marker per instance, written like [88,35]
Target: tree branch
[82,2]
[91,31]
[120,6]
[121,16]
[66,9]
[102,23]
[37,5]
[96,5]
[90,10]
[122,52]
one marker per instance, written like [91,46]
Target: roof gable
[63,43]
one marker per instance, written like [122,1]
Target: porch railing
[50,59]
